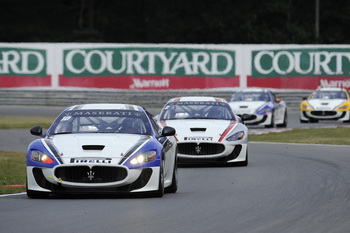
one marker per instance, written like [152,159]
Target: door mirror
[37,131]
[168,131]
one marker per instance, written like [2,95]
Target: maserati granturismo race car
[326,104]
[102,148]
[206,130]
[262,105]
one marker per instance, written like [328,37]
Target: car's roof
[106,106]
[197,98]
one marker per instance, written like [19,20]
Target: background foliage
[174,21]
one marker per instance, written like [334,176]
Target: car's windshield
[250,96]
[101,121]
[197,110]
[328,95]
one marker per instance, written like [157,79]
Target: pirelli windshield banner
[300,68]
[22,67]
[149,68]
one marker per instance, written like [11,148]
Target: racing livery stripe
[232,124]
[135,147]
[162,123]
[218,99]
[175,100]
[54,150]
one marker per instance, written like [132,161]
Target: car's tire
[240,164]
[347,121]
[303,121]
[160,191]
[285,121]
[174,181]
[36,194]
[272,124]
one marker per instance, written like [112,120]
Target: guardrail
[148,99]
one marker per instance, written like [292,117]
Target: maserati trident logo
[198,149]
[91,175]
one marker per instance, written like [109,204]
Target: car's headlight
[304,106]
[236,136]
[265,109]
[344,107]
[39,156]
[144,157]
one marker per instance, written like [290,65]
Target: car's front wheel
[160,191]
[36,194]
[272,123]
[240,164]
[285,120]
[173,187]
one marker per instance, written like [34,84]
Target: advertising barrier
[20,67]
[149,68]
[300,68]
[173,66]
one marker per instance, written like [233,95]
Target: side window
[155,126]
[273,97]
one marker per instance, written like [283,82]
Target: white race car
[326,104]
[206,130]
[102,148]
[262,105]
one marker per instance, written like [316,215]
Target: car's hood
[73,147]
[248,107]
[200,130]
[325,105]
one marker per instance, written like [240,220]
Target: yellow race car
[326,104]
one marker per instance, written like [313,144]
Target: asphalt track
[285,188]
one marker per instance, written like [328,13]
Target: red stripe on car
[232,124]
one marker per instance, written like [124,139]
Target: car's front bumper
[259,119]
[135,180]
[211,152]
[325,115]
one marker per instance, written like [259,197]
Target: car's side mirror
[168,131]
[304,98]
[36,130]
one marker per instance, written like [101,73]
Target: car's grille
[252,116]
[200,149]
[323,113]
[97,174]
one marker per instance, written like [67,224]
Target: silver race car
[206,130]
[263,106]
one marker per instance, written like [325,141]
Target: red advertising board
[23,68]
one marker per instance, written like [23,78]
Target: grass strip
[333,136]
[12,172]
[10,122]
